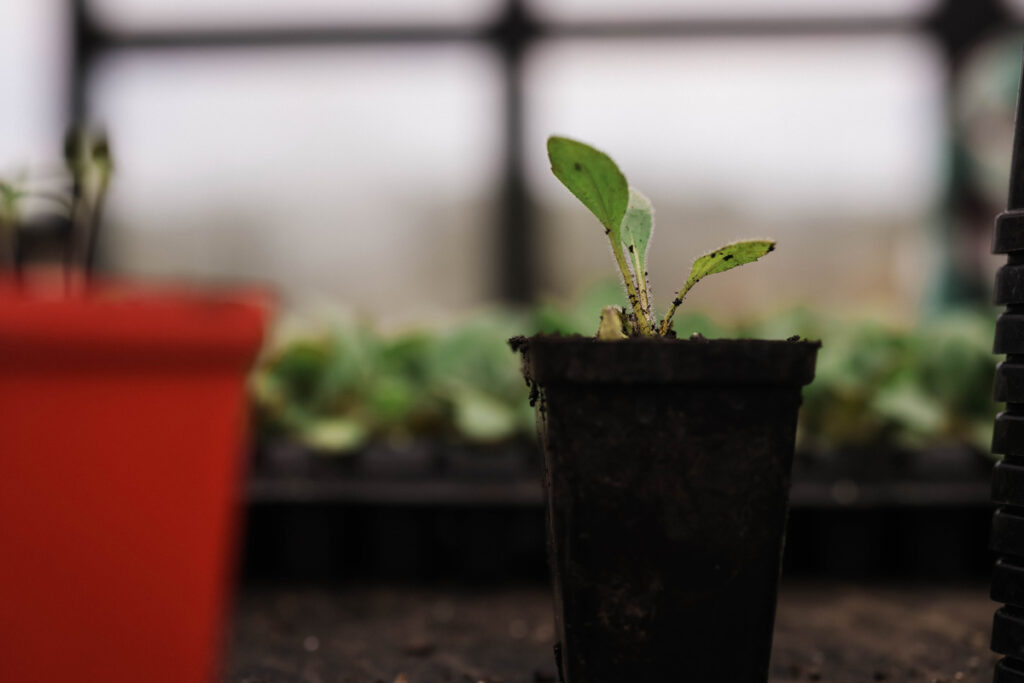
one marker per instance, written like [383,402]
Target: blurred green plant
[876,385]
[77,194]
[884,386]
[337,391]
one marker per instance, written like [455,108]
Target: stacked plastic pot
[1008,441]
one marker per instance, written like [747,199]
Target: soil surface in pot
[831,633]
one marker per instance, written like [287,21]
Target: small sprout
[612,326]
[628,219]
[88,166]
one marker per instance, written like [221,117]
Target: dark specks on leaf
[727,257]
[771,247]
[577,166]
[676,301]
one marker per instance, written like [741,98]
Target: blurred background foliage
[878,385]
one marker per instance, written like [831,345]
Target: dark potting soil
[828,633]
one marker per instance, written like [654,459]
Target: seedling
[87,157]
[76,194]
[628,220]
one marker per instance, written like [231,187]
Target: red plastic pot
[121,457]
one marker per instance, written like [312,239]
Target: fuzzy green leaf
[637,224]
[718,261]
[594,178]
[728,257]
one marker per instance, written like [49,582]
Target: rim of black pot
[555,359]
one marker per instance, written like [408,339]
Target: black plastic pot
[1008,671]
[1007,537]
[667,471]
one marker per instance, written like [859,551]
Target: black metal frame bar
[956,25]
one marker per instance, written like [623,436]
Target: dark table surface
[824,632]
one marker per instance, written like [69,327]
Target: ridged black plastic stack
[1008,440]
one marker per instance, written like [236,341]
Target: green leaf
[481,417]
[728,257]
[10,194]
[594,178]
[718,261]
[637,224]
[334,435]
